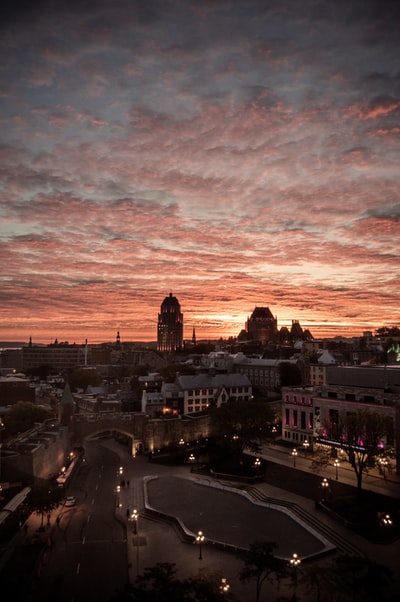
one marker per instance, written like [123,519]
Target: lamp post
[386,520]
[118,492]
[306,445]
[224,587]
[200,541]
[294,563]
[324,485]
[336,465]
[294,454]
[135,519]
[383,464]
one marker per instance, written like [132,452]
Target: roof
[262,313]
[206,381]
[66,398]
[262,363]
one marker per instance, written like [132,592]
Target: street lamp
[306,445]
[294,563]
[336,465]
[324,485]
[200,541]
[135,519]
[294,454]
[224,587]
[383,464]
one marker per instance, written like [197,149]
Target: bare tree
[360,436]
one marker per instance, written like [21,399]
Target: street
[88,557]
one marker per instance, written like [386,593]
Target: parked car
[70,500]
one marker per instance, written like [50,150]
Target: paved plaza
[230,517]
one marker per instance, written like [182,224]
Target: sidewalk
[373,480]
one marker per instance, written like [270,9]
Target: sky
[238,154]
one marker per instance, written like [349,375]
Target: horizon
[238,154]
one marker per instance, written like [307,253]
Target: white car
[70,501]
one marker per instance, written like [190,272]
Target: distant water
[12,345]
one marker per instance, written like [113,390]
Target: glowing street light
[383,465]
[336,465]
[224,587]
[385,520]
[306,445]
[324,485]
[200,541]
[135,519]
[294,563]
[294,454]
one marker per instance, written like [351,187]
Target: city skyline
[235,154]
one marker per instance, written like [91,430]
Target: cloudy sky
[236,153]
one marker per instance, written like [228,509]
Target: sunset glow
[235,153]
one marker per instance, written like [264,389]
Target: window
[295,418]
[303,420]
[287,418]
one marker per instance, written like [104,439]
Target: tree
[360,435]
[43,500]
[80,378]
[159,583]
[170,372]
[243,424]
[388,331]
[261,565]
[289,374]
[22,416]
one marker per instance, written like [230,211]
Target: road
[88,556]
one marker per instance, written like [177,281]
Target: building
[262,326]
[306,410]
[264,374]
[191,394]
[170,325]
[15,388]
[57,356]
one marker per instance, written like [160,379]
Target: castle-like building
[170,325]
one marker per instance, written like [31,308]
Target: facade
[262,373]
[307,410]
[262,326]
[59,356]
[14,389]
[170,325]
[192,394]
